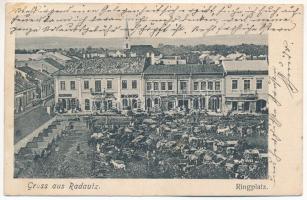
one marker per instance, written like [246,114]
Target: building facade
[25,93]
[128,83]
[43,81]
[113,83]
[197,87]
[246,85]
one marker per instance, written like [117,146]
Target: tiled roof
[28,57]
[184,69]
[38,65]
[245,65]
[104,66]
[21,84]
[54,63]
[34,73]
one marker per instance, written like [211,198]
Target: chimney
[152,58]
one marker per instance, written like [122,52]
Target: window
[72,85]
[98,86]
[234,105]
[86,85]
[124,84]
[163,86]
[246,84]
[217,85]
[134,103]
[134,84]
[170,85]
[73,103]
[125,103]
[259,84]
[62,85]
[109,84]
[156,86]
[156,101]
[234,84]
[210,85]
[87,104]
[149,86]
[183,85]
[195,85]
[203,85]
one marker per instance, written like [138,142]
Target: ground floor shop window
[195,104]
[260,105]
[73,103]
[87,104]
[148,103]
[214,103]
[246,106]
[170,105]
[125,103]
[98,105]
[202,103]
[109,104]
[234,106]
[156,101]
[134,103]
[183,103]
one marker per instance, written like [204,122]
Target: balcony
[160,92]
[248,93]
[102,93]
[184,92]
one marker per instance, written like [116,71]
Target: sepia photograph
[172,98]
[181,108]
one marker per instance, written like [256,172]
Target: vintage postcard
[153,99]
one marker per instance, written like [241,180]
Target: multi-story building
[100,84]
[190,86]
[246,85]
[128,83]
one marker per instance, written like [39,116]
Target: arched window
[156,101]
[260,105]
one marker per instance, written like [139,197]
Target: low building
[43,81]
[25,93]
[172,60]
[236,56]
[246,85]
[47,65]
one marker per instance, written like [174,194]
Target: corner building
[100,84]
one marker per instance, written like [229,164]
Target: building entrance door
[260,104]
[183,103]
[246,106]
